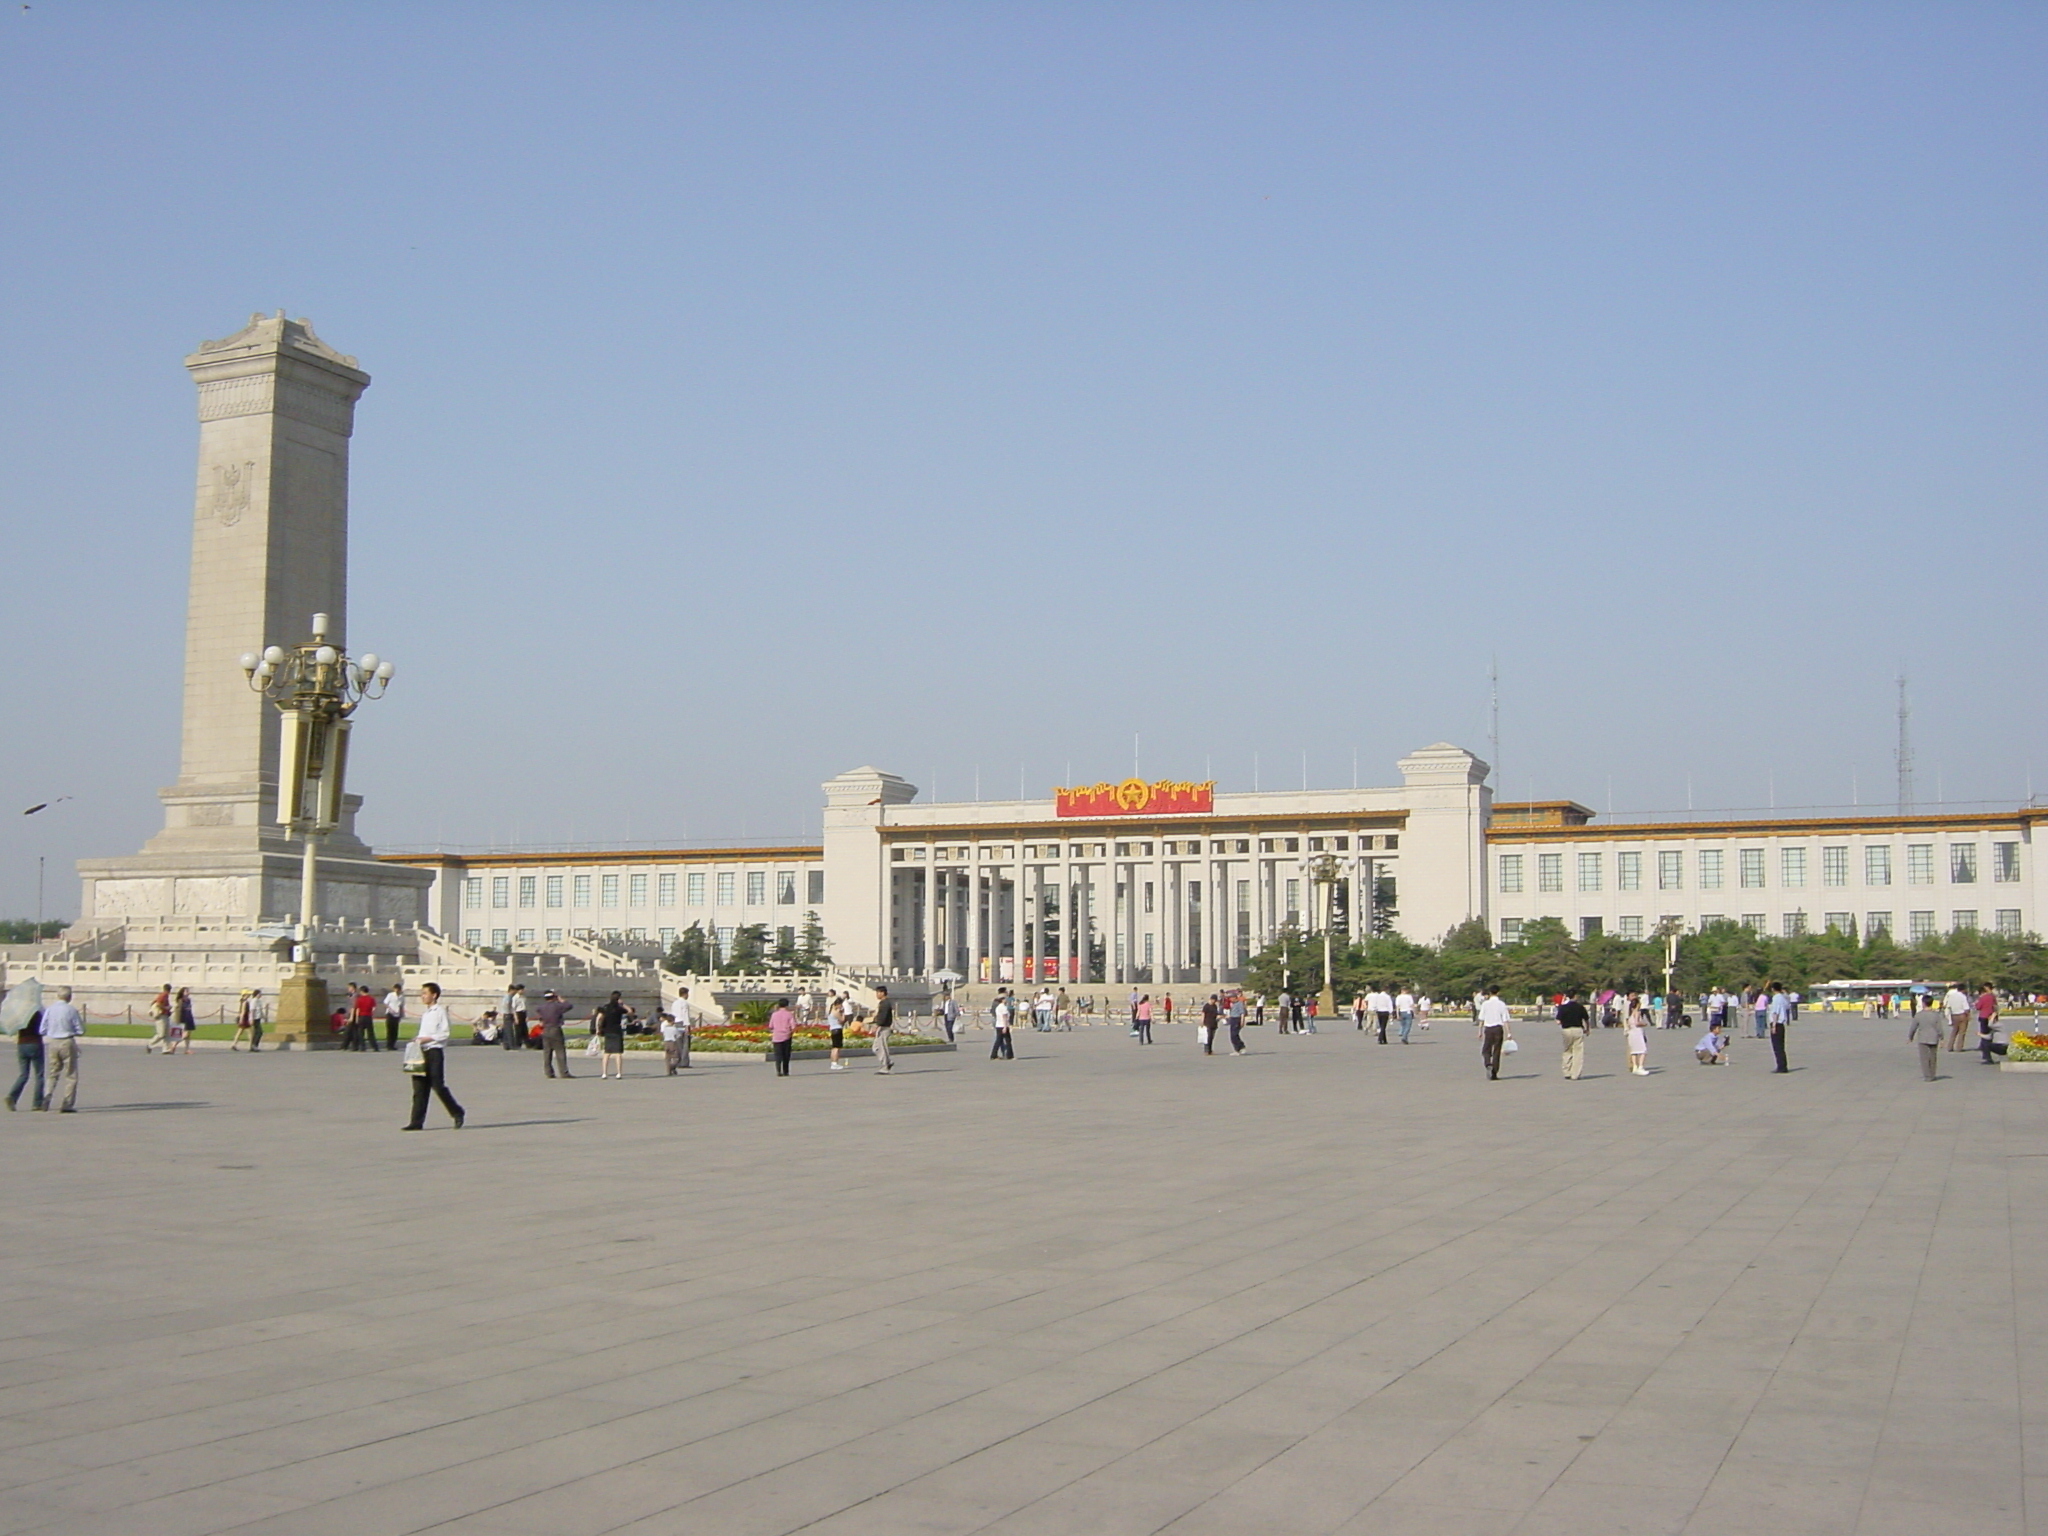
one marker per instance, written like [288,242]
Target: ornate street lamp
[1325,872]
[316,687]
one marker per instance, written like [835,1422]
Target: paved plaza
[1328,1287]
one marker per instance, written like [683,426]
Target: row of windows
[505,938]
[1174,848]
[1919,925]
[577,890]
[1750,867]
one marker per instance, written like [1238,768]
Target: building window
[2005,862]
[1919,925]
[1919,863]
[473,891]
[1670,870]
[1511,872]
[1750,868]
[498,938]
[1549,871]
[1754,922]
[1148,900]
[1628,871]
[1511,930]
[1628,927]
[524,936]
[1244,895]
[554,935]
[1148,950]
[1794,924]
[724,940]
[1589,927]
[529,890]
[728,887]
[2006,921]
[582,892]
[1589,871]
[785,887]
[554,890]
[1962,863]
[757,886]
[693,888]
[636,891]
[1963,921]
[473,937]
[1293,900]
[1834,866]
[1877,925]
[665,891]
[814,886]
[1710,869]
[1792,867]
[501,890]
[1877,864]
[1841,922]
[608,890]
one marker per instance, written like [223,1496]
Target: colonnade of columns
[1195,914]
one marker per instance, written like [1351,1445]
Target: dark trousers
[513,1032]
[432,1081]
[1778,1046]
[1002,1049]
[1381,1020]
[1144,1031]
[29,1053]
[1490,1039]
[390,1033]
[781,1057]
[554,1051]
[1237,1035]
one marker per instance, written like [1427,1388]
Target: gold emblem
[1133,794]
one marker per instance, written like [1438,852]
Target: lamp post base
[1326,1004]
[302,1012]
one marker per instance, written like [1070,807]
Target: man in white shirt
[394,1014]
[435,1029]
[1956,1004]
[1494,1023]
[1404,1013]
[512,1018]
[63,1027]
[1003,1014]
[1381,1007]
[675,1031]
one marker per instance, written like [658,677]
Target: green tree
[749,955]
[1543,961]
[813,954]
[690,954]
[785,959]
[22,930]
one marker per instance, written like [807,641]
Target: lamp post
[1669,931]
[316,688]
[1324,873]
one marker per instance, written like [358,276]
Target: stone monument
[269,550]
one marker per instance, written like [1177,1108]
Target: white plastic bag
[596,1046]
[1510,1045]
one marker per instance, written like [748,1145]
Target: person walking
[1381,1007]
[949,1016]
[611,1026]
[1762,1007]
[1639,1044]
[362,1022]
[1233,1014]
[1206,1030]
[511,1017]
[1404,1013]
[1495,1025]
[1423,1005]
[159,1021]
[250,1017]
[1925,1031]
[1778,1016]
[1002,1015]
[182,1023]
[28,1042]
[885,1020]
[1142,1012]
[431,1076]
[394,1015]
[835,1023]
[675,1032]
[1956,1004]
[1572,1021]
[781,1031]
[63,1029]
[554,1045]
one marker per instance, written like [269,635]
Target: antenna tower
[1905,752]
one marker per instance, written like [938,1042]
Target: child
[1638,1046]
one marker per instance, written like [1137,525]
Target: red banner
[1135,797]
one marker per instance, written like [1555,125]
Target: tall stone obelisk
[269,550]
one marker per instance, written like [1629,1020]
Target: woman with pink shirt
[781,1029]
[1142,1014]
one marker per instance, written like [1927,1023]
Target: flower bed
[742,1037]
[2026,1047]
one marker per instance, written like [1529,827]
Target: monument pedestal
[303,1012]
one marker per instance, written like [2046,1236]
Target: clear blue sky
[766,389]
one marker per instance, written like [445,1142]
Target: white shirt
[1495,1012]
[435,1027]
[394,1004]
[679,1011]
[515,1002]
[1002,1013]
[1954,1001]
[1405,1003]
[1379,1002]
